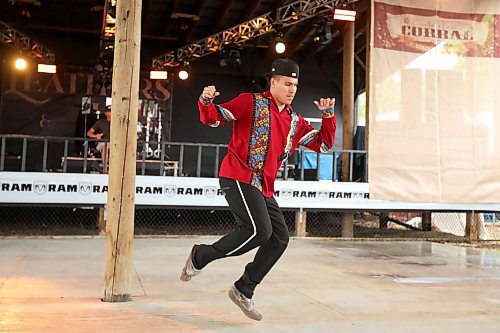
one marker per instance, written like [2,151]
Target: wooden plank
[121,181]
[347,98]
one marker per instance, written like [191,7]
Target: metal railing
[55,154]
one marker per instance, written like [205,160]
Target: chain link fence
[20,153]
[65,220]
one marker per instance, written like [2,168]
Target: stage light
[158,75]
[344,15]
[280,46]
[323,33]
[184,71]
[183,74]
[230,56]
[44,68]
[20,64]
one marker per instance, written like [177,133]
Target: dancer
[266,130]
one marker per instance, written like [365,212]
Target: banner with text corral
[434,107]
[33,188]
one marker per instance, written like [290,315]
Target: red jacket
[263,137]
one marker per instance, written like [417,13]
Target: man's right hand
[209,93]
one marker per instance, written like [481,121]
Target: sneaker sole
[247,313]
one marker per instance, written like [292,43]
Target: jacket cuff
[327,113]
[205,101]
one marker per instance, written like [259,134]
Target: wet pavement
[55,285]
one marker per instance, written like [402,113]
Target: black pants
[260,224]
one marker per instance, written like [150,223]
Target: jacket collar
[287,108]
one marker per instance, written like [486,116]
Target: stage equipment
[280,46]
[20,64]
[46,68]
[158,75]
[323,33]
[284,16]
[344,15]
[20,41]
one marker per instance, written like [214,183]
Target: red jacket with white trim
[263,137]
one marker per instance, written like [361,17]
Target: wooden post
[347,116]
[383,219]
[101,220]
[367,84]
[121,195]
[347,98]
[348,225]
[300,223]
[426,221]
[472,221]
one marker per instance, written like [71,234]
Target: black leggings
[260,223]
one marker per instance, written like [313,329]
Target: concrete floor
[55,285]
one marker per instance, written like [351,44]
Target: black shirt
[102,126]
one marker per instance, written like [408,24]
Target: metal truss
[18,40]
[287,15]
[108,31]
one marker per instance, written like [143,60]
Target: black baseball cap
[108,108]
[285,67]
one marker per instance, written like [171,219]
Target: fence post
[300,223]
[348,225]
[101,220]
[383,219]
[426,221]
[472,226]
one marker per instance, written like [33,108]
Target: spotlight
[230,56]
[280,46]
[183,74]
[20,64]
[323,33]
[184,71]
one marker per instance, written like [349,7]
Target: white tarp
[435,101]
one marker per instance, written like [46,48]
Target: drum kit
[150,126]
[150,130]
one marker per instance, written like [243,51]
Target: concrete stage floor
[55,285]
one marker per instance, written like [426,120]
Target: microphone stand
[85,110]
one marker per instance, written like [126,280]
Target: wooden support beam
[367,82]
[426,221]
[472,221]
[250,8]
[300,223]
[347,98]
[220,18]
[348,225]
[292,45]
[121,181]
[171,9]
[101,220]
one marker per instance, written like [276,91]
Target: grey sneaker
[188,271]
[246,304]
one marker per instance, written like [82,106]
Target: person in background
[101,131]
[266,130]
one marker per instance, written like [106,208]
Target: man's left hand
[325,103]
